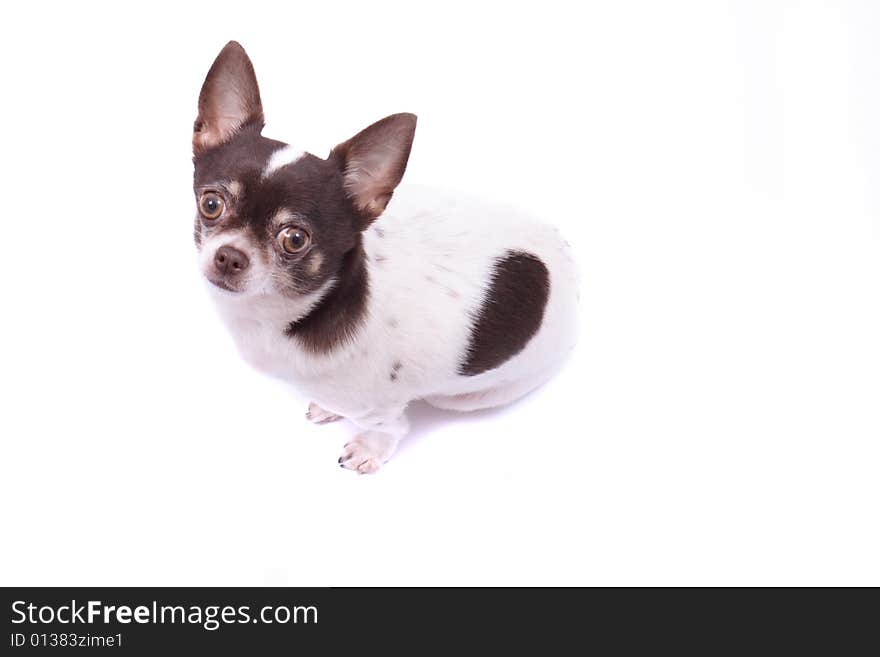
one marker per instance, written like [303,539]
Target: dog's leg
[383,429]
[318,415]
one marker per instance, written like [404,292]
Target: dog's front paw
[318,415]
[367,452]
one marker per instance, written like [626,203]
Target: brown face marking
[281,217]
[234,188]
[314,263]
[511,312]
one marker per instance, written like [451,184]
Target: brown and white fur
[364,302]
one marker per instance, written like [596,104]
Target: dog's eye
[211,205]
[293,240]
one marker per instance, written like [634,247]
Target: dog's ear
[373,162]
[230,99]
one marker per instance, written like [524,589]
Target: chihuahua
[364,302]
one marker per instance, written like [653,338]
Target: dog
[363,294]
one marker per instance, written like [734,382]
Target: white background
[713,164]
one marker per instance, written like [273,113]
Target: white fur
[430,259]
[281,158]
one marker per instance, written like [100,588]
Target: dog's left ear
[373,162]
[230,99]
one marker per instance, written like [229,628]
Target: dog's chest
[341,380]
[262,345]
[259,334]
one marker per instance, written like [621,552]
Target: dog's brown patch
[511,312]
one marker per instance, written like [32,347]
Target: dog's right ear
[230,99]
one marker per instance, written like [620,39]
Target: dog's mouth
[223,285]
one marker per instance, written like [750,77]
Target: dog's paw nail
[367,452]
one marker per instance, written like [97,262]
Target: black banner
[266,621]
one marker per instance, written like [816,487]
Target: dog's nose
[230,261]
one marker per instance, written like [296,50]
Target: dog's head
[271,220]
